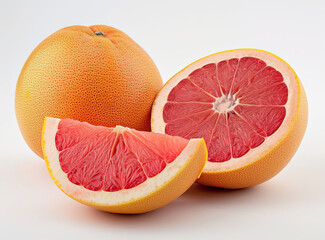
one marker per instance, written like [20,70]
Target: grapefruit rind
[74,73]
[155,192]
[281,145]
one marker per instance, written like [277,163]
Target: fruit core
[234,104]
[225,104]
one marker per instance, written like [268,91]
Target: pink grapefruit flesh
[100,158]
[234,104]
[242,102]
[116,168]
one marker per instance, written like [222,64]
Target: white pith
[225,103]
[158,124]
[103,198]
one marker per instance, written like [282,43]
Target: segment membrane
[123,170]
[206,78]
[242,136]
[204,130]
[248,68]
[219,149]
[169,147]
[172,110]
[226,74]
[184,126]
[151,162]
[265,120]
[186,91]
[273,95]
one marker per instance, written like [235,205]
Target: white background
[174,33]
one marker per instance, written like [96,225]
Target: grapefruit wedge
[120,170]
[248,105]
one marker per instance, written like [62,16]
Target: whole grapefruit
[96,74]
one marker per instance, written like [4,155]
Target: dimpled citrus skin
[96,74]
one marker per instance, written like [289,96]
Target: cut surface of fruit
[244,103]
[120,169]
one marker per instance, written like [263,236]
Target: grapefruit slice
[248,105]
[120,170]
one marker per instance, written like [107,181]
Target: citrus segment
[111,168]
[248,68]
[242,136]
[219,148]
[265,120]
[186,126]
[127,161]
[226,71]
[187,91]
[206,78]
[172,110]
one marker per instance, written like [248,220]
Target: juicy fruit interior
[234,105]
[112,159]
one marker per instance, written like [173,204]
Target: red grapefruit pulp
[235,104]
[129,157]
[112,168]
[244,103]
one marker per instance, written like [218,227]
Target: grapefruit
[248,105]
[96,74]
[119,169]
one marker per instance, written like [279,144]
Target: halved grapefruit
[120,170]
[248,105]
